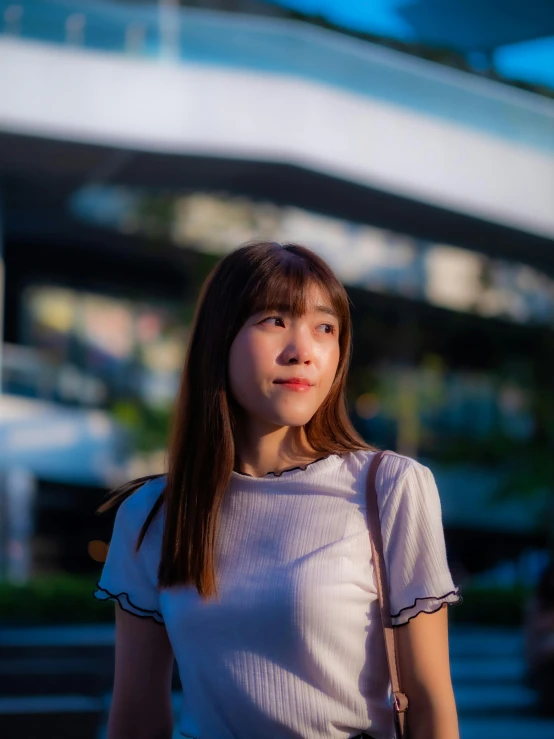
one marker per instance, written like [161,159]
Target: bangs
[286,281]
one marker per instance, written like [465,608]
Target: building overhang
[41,176]
[70,116]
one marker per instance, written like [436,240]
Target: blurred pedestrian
[539,638]
[249,562]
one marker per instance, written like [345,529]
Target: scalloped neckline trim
[288,470]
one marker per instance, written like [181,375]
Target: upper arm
[422,646]
[423,656]
[141,703]
[420,588]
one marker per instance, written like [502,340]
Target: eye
[278,320]
[328,328]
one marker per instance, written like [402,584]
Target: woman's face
[281,368]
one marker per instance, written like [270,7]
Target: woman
[253,567]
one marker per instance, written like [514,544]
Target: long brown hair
[201,455]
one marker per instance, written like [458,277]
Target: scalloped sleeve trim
[425,604]
[125,602]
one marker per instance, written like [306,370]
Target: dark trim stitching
[405,623]
[118,596]
[456,592]
[289,469]
[142,616]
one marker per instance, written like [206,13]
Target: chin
[290,414]
[293,419]
[298,416]
[294,423]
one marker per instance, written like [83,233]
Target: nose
[299,349]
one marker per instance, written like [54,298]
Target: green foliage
[526,470]
[52,599]
[497,606]
[63,599]
[155,215]
[148,426]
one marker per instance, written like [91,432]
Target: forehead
[316,297]
[298,300]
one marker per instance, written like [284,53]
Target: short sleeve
[130,577]
[413,539]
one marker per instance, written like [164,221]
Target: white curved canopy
[279,91]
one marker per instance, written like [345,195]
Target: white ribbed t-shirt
[293,647]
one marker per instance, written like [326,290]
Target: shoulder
[392,468]
[134,510]
[398,475]
[396,468]
[130,573]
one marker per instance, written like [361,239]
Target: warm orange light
[367,405]
[98,550]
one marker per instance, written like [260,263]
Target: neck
[260,450]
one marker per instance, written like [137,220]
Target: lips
[294,381]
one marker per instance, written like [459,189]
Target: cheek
[329,362]
[246,364]
[240,361]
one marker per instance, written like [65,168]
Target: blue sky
[531,61]
[376,16]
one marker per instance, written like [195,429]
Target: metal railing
[283,47]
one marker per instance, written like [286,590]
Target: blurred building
[138,142]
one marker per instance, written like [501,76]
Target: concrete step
[60,674]
[47,651]
[42,717]
[502,727]
[485,670]
[50,676]
[57,641]
[72,635]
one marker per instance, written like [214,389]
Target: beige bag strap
[400,700]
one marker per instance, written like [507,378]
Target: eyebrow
[283,308]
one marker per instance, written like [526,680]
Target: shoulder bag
[400,700]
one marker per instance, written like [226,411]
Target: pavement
[488,676]
[62,676]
